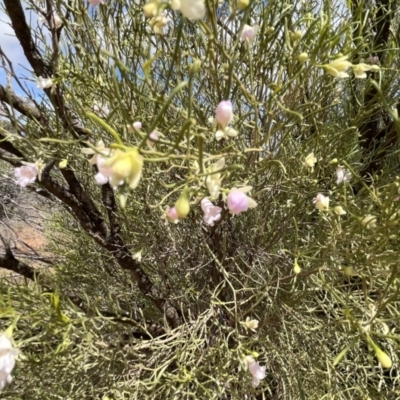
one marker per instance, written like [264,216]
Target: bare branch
[19,104]
[22,31]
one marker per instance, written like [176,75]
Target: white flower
[7,360]
[321,202]
[25,175]
[342,175]
[138,256]
[100,151]
[225,133]
[44,83]
[28,173]
[100,157]
[310,160]
[251,324]
[191,9]
[255,370]
[100,178]
[213,181]
[211,213]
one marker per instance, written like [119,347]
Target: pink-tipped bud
[172,214]
[137,125]
[224,113]
[153,135]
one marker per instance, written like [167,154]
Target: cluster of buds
[237,202]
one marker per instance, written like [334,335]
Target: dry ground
[23,226]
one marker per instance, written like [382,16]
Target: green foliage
[314,324]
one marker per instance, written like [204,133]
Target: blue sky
[11,47]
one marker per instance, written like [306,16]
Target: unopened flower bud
[243,4]
[296,267]
[303,57]
[150,9]
[297,35]
[63,164]
[182,205]
[382,357]
[122,200]
[369,222]
[338,210]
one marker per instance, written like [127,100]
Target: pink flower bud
[153,135]
[374,60]
[224,113]
[249,33]
[172,215]
[137,125]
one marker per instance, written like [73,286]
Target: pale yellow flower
[159,23]
[213,181]
[338,67]
[321,202]
[251,324]
[360,70]
[338,210]
[125,166]
[310,160]
[369,221]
